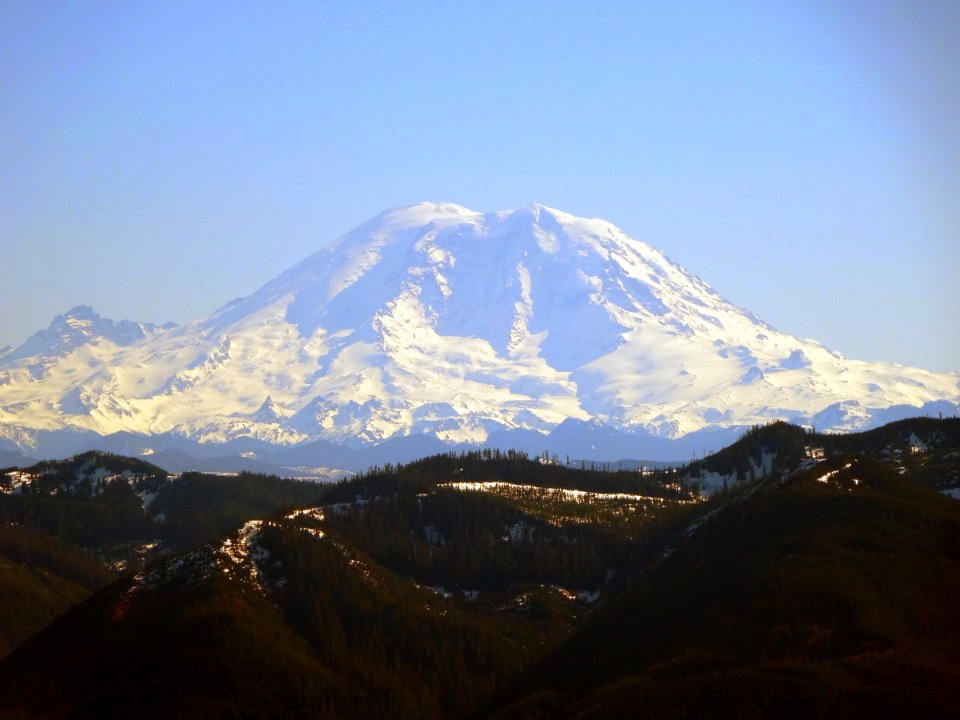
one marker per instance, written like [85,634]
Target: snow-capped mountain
[79,326]
[435,320]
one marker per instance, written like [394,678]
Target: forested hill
[920,444]
[70,527]
[829,592]
[510,467]
[794,574]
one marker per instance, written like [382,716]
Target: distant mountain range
[434,326]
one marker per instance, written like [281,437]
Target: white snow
[581,496]
[825,478]
[438,319]
[432,536]
[566,593]
[146,498]
[315,513]
[17,481]
[519,532]
[710,482]
[200,563]
[815,453]
[244,554]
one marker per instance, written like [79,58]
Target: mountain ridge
[493,584]
[437,320]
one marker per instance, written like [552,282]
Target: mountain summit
[434,319]
[80,326]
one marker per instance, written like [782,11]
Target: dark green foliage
[801,600]
[790,444]
[162,656]
[38,550]
[328,642]
[742,458]
[465,540]
[61,538]
[818,587]
[40,577]
[86,522]
[423,656]
[511,466]
[896,435]
[200,507]
[194,507]
[67,469]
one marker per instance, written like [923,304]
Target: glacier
[530,327]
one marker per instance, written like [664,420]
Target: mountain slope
[68,528]
[77,327]
[41,576]
[828,590]
[438,320]
[281,618]
[825,586]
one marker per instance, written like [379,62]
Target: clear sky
[160,159]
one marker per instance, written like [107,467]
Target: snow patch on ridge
[244,555]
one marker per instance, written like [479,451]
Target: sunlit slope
[440,320]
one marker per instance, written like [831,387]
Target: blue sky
[803,158]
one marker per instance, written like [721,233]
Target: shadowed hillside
[821,581]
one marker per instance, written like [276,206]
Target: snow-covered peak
[537,210]
[437,320]
[79,326]
[394,224]
[422,213]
